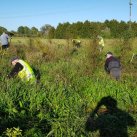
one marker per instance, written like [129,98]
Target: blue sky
[15,13]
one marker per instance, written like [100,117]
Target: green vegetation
[86,29]
[71,85]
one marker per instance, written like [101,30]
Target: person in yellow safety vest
[100,43]
[22,69]
[76,43]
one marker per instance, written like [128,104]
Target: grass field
[72,83]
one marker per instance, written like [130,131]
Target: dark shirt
[111,59]
[17,68]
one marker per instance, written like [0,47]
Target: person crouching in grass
[22,69]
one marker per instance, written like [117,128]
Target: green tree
[27,31]
[24,31]
[2,29]
[61,30]
[34,31]
[51,33]
[45,29]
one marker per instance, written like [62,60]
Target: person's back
[4,38]
[23,70]
[26,73]
[100,43]
[112,66]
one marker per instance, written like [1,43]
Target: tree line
[87,29]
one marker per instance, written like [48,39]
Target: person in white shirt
[4,39]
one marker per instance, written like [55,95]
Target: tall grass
[70,87]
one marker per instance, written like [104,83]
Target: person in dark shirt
[112,66]
[110,121]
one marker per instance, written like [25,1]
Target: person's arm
[92,123]
[8,38]
[106,66]
[18,67]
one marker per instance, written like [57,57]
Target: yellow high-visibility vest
[26,73]
[101,42]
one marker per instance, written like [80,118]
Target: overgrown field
[72,82]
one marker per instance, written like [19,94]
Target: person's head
[109,54]
[14,61]
[109,102]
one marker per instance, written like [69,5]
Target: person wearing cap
[4,39]
[112,66]
[100,43]
[22,69]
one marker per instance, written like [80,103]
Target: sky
[37,13]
